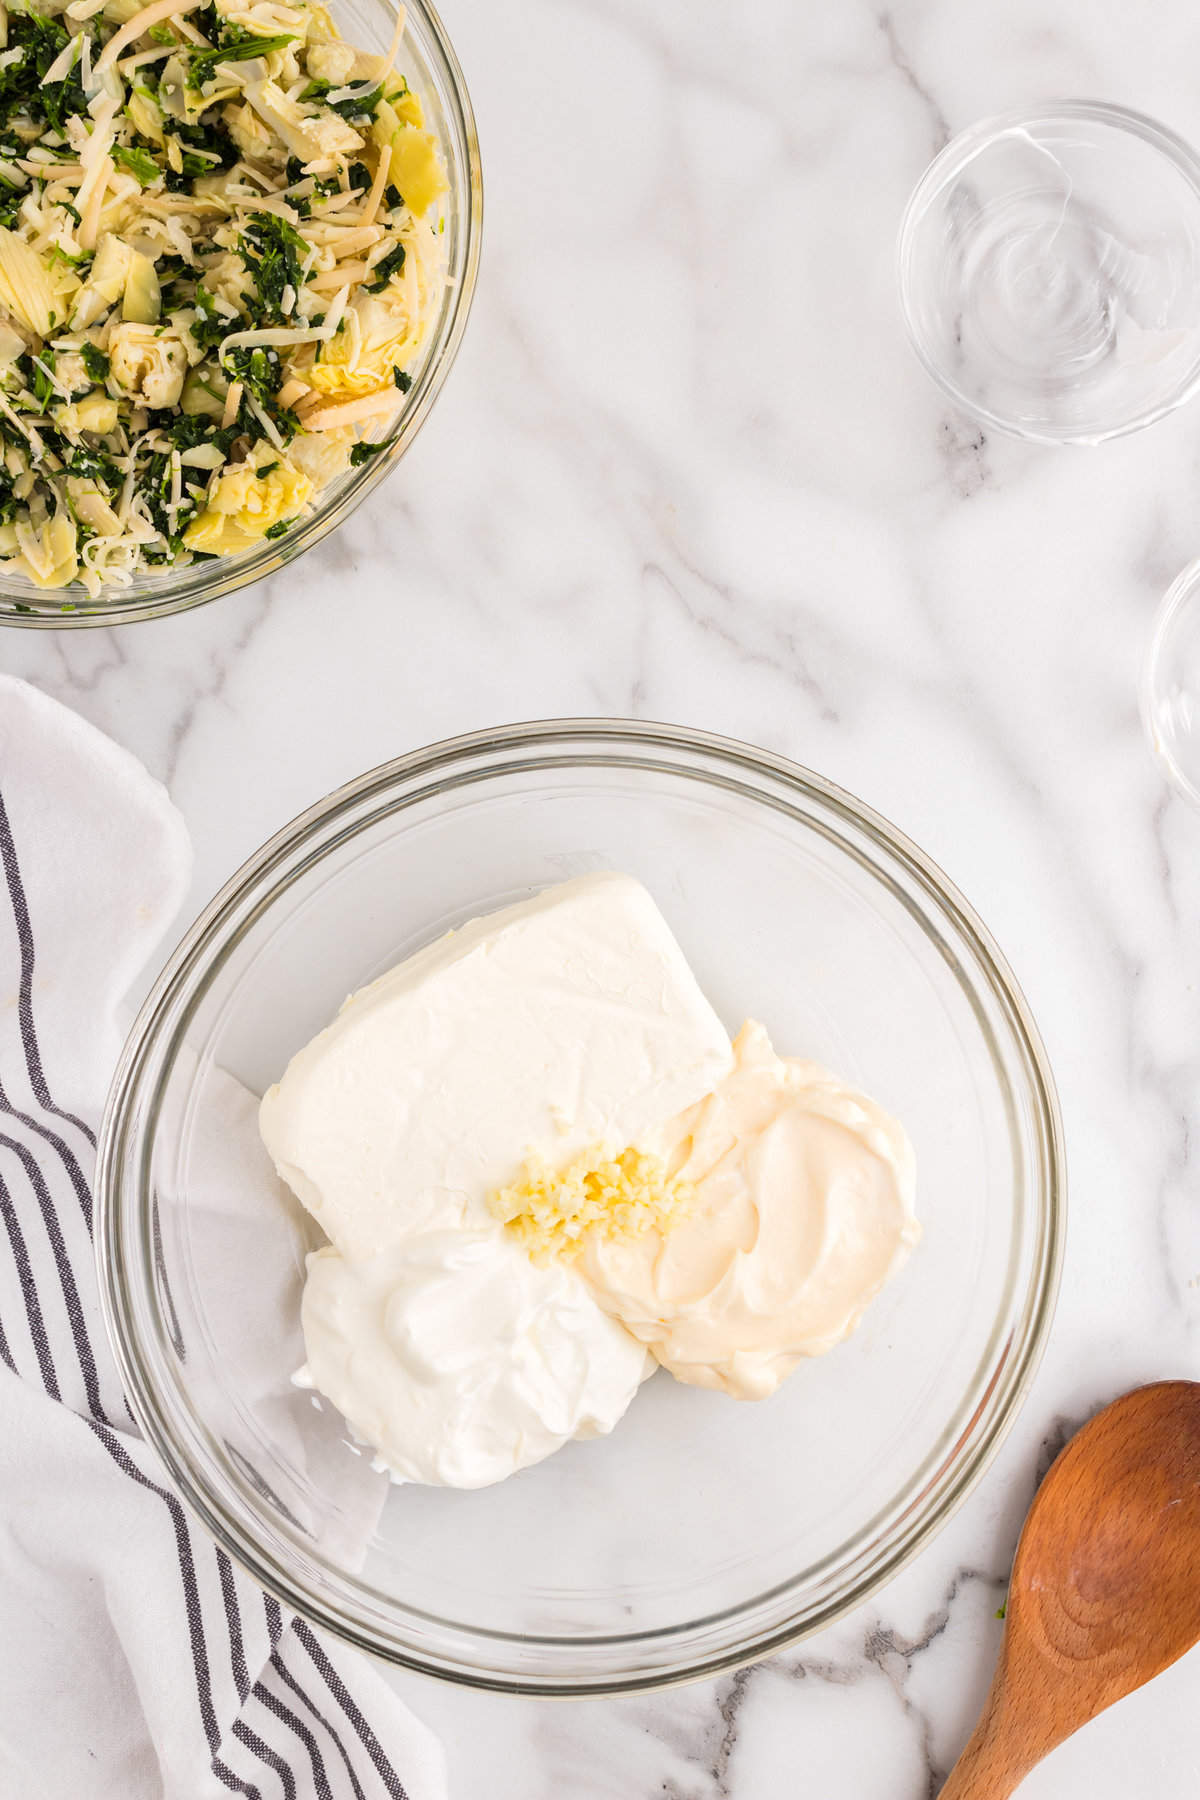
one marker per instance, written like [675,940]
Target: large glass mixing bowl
[703,1532]
[426,58]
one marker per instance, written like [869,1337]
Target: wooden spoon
[1105,1590]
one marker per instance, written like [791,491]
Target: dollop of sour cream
[459,1361]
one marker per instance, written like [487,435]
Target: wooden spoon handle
[979,1774]
[996,1759]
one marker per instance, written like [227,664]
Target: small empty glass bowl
[703,1532]
[1171,684]
[1049,267]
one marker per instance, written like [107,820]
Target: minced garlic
[600,1195]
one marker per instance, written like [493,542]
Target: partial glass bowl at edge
[428,61]
[703,1532]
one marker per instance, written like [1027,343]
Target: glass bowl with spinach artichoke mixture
[220,252]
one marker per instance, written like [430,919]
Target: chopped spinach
[155,488]
[22,82]
[34,375]
[61,100]
[353,109]
[210,328]
[385,268]
[273,252]
[189,429]
[8,505]
[258,369]
[208,21]
[321,184]
[233,45]
[213,137]
[10,202]
[363,452]
[261,373]
[95,362]
[95,465]
[192,163]
[140,164]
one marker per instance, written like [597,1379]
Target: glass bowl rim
[1044,1204]
[958,151]
[206,581]
[1183,590]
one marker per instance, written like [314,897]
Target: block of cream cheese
[569,1020]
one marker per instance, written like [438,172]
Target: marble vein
[898,56]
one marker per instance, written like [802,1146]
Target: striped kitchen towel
[135,1664]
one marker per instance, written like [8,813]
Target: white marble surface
[687,470]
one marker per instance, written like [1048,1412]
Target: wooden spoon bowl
[1105,1590]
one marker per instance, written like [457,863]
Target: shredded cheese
[265,420]
[349,412]
[64,393]
[349,243]
[337,309]
[273,337]
[125,504]
[64,62]
[128,64]
[377,186]
[140,22]
[233,400]
[354,340]
[292,390]
[333,278]
[176,500]
[89,222]
[27,431]
[68,172]
[394,47]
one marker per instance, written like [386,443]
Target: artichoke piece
[415,167]
[35,294]
[106,283]
[143,296]
[198,396]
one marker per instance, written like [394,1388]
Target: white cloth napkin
[135,1664]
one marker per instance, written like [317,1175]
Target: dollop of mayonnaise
[802,1209]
